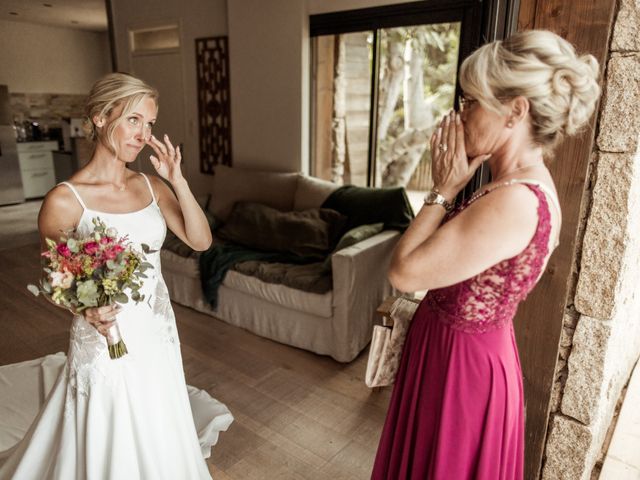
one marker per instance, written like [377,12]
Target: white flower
[112,232]
[56,278]
[61,279]
[67,280]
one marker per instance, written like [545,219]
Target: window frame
[481,21]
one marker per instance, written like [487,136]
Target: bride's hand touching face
[167,159]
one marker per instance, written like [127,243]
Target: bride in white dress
[128,418]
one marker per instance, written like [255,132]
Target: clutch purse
[387,342]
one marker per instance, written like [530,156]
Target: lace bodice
[489,300]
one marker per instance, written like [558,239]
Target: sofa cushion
[231,185]
[310,277]
[353,236]
[291,298]
[309,233]
[311,192]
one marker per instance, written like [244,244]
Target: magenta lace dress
[456,412]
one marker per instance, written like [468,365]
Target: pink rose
[109,254]
[105,240]
[91,248]
[118,249]
[63,250]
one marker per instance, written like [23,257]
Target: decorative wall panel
[214,107]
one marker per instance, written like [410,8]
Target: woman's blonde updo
[562,88]
[111,91]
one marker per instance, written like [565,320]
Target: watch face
[431,197]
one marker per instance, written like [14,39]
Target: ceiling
[80,14]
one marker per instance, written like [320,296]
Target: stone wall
[601,335]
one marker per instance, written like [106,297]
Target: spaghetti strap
[153,196]
[75,192]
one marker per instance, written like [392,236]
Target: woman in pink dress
[456,411]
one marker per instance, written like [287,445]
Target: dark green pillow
[354,236]
[364,205]
[307,233]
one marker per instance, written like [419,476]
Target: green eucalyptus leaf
[33,289]
[121,298]
[73,245]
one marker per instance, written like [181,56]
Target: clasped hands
[451,169]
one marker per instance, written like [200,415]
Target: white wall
[198,18]
[267,39]
[41,59]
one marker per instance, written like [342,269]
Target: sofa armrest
[359,286]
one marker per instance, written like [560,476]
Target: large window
[381,80]
[415,85]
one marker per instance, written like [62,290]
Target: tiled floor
[623,457]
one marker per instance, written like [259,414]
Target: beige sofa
[337,323]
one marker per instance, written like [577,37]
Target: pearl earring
[510,124]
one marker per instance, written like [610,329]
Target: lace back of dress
[489,300]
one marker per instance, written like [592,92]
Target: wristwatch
[433,197]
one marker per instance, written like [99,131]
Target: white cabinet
[36,167]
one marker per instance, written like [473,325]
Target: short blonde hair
[562,88]
[108,93]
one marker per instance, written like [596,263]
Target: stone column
[601,340]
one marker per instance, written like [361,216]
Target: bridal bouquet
[94,271]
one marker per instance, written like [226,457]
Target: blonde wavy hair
[108,93]
[562,87]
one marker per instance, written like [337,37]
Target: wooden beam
[587,25]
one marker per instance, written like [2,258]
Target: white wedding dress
[125,419]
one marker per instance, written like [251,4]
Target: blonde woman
[128,418]
[457,407]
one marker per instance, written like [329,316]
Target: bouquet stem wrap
[117,347]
